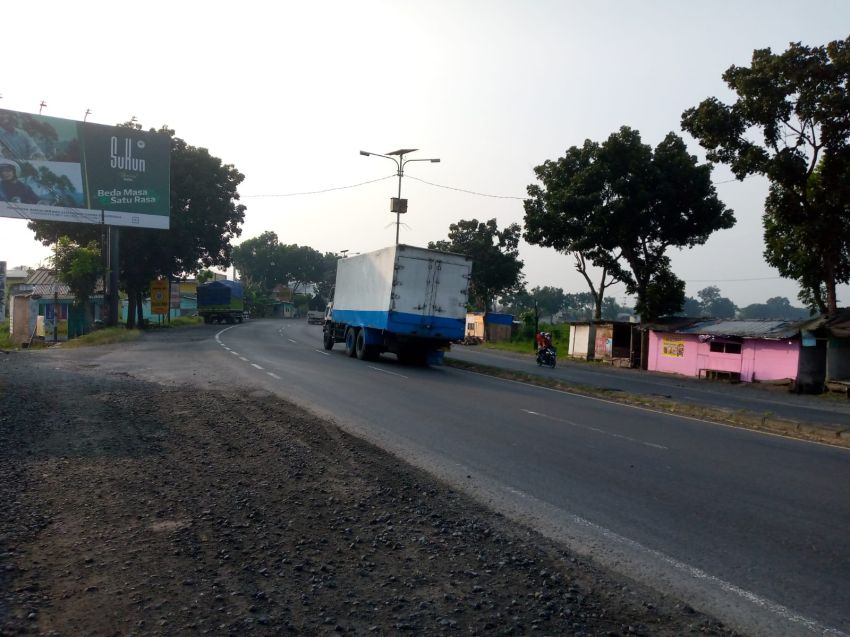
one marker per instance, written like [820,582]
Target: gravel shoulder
[141,509]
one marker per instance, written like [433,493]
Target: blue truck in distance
[221,302]
[405,300]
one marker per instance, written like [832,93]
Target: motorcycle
[546,357]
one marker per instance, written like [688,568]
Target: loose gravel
[129,508]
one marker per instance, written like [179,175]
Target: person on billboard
[15,143]
[11,189]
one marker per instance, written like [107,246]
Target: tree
[496,266]
[259,261]
[547,222]
[712,304]
[611,310]
[691,307]
[620,201]
[777,307]
[205,216]
[550,300]
[790,124]
[579,306]
[79,267]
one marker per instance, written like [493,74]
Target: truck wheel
[328,338]
[364,352]
[351,342]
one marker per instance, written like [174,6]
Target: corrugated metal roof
[743,328]
[41,282]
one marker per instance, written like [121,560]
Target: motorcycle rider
[544,342]
[11,189]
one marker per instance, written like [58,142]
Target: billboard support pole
[113,275]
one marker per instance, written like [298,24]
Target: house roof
[42,281]
[742,328]
[837,325]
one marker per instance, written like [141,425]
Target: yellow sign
[159,297]
[672,348]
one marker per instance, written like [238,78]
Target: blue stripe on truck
[403,323]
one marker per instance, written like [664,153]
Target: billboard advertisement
[54,169]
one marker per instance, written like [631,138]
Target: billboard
[54,169]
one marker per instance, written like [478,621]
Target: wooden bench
[720,374]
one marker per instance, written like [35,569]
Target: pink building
[747,350]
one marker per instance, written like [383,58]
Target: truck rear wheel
[328,338]
[364,352]
[351,342]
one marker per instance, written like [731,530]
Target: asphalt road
[748,527]
[754,398]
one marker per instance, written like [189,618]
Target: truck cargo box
[404,290]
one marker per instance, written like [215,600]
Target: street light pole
[399,205]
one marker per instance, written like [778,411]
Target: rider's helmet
[12,164]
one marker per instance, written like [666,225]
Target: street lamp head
[364,153]
[403,151]
[435,161]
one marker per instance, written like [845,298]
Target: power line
[766,278]
[470,192]
[429,183]
[317,192]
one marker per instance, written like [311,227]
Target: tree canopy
[79,267]
[790,124]
[714,305]
[496,266]
[622,203]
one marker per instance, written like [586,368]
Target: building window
[725,348]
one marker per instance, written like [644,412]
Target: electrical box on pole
[397,205]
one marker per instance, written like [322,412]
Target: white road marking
[322,353]
[656,411]
[234,353]
[594,429]
[291,340]
[784,612]
[384,371]
[273,375]
[255,365]
[243,359]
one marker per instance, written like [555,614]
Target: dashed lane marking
[595,429]
[384,371]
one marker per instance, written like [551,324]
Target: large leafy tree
[260,262]
[205,216]
[79,267]
[496,266]
[573,233]
[621,203]
[791,124]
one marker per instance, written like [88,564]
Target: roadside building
[43,306]
[737,350]
[499,327]
[826,351]
[615,342]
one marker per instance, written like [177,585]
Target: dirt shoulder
[133,508]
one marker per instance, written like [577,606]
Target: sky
[289,92]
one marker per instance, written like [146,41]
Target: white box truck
[402,299]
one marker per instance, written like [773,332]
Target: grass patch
[744,419]
[177,321]
[104,337]
[6,341]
